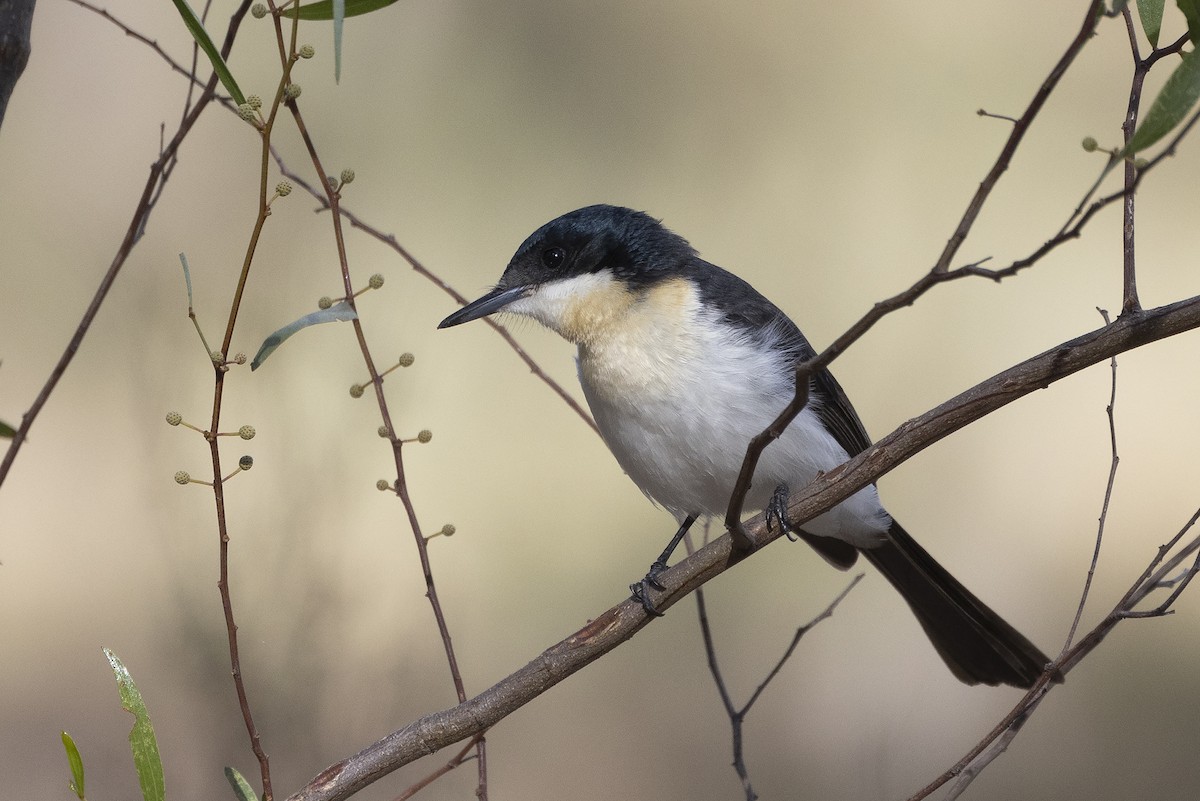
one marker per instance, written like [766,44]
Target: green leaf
[338,312]
[339,16]
[141,737]
[1150,13]
[196,28]
[76,763]
[7,431]
[241,787]
[1191,10]
[323,9]
[1178,96]
[187,277]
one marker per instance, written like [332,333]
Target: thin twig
[332,200]
[737,717]
[1114,462]
[1130,301]
[939,273]
[220,366]
[133,234]
[1022,712]
[1146,583]
[425,272]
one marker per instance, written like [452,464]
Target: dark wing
[745,307]
[742,305]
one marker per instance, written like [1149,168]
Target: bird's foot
[777,510]
[641,589]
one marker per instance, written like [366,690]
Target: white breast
[678,404]
[678,394]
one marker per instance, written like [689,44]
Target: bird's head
[580,272]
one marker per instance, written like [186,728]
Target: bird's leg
[641,589]
[777,510]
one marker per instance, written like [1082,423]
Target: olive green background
[823,151]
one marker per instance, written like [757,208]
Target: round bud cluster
[448,530]
[254,102]
[217,357]
[182,477]
[1140,163]
[325,302]
[382,485]
[424,436]
[307,51]
[246,432]
[258,11]
[246,112]
[406,359]
[239,358]
[174,418]
[1090,144]
[376,281]
[382,431]
[347,175]
[246,462]
[356,390]
[283,188]
[291,91]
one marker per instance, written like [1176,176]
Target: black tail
[975,642]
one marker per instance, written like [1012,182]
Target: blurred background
[823,151]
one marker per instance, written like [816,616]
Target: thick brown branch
[610,629]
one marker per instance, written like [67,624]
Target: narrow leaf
[7,431]
[196,28]
[1150,13]
[142,741]
[1191,10]
[338,312]
[241,788]
[1173,103]
[187,277]
[75,761]
[323,9]
[339,16]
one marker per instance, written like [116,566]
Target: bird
[682,363]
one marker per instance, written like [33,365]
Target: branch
[16,22]
[390,240]
[133,234]
[613,627]
[1154,577]
[939,273]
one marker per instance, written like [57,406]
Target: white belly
[678,410]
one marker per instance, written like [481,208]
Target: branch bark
[16,24]
[613,627]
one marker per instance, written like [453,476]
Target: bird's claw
[777,510]
[641,589]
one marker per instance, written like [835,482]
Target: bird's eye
[553,258]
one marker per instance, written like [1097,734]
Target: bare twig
[1114,462]
[1150,579]
[425,272]
[1022,712]
[939,273]
[133,234]
[1140,68]
[737,716]
[332,199]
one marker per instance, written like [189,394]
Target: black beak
[493,301]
